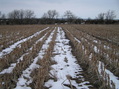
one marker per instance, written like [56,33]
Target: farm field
[59,57]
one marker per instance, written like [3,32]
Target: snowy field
[59,58]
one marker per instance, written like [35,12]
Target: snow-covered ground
[66,73]
[13,65]
[13,46]
[112,77]
[66,70]
[25,79]
[101,67]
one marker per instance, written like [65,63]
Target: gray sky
[81,8]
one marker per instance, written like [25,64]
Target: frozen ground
[112,77]
[13,65]
[25,79]
[101,67]
[13,46]
[65,73]
[66,70]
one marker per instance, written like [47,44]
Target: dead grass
[11,34]
[108,52]
[110,32]
[10,80]
[43,72]
[18,51]
[82,51]
[90,36]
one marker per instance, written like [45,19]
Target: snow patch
[66,66]
[12,47]
[77,40]
[112,77]
[12,66]
[22,82]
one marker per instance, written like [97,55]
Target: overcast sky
[81,8]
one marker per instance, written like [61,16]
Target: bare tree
[45,16]
[21,14]
[29,14]
[107,17]
[51,14]
[101,16]
[110,15]
[70,16]
[14,14]
[3,16]
[44,19]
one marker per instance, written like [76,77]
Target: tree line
[52,17]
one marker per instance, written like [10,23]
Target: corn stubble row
[108,52]
[89,59]
[10,79]
[12,34]
[18,51]
[88,50]
[41,75]
[105,32]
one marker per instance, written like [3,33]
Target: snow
[66,65]
[101,65]
[112,77]
[22,82]
[90,56]
[12,66]
[77,40]
[96,49]
[95,41]
[0,35]
[106,47]
[13,46]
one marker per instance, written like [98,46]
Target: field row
[13,63]
[100,61]
[12,34]
[109,33]
[63,57]
[42,61]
